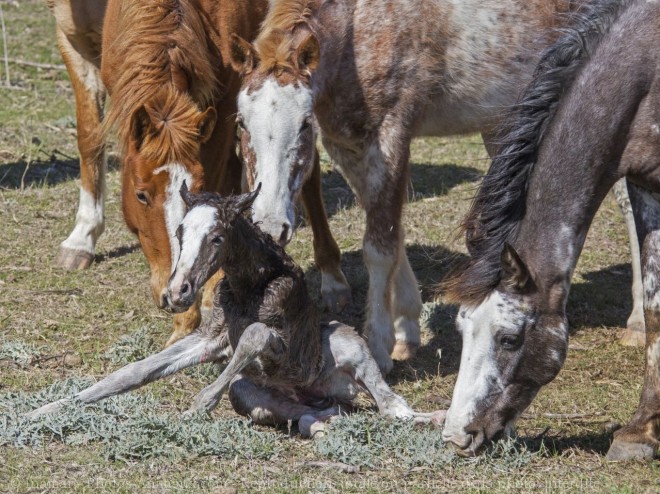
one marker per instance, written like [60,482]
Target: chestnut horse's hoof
[623,451]
[634,335]
[404,351]
[73,259]
[335,293]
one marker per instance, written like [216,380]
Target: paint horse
[590,116]
[165,64]
[285,365]
[375,76]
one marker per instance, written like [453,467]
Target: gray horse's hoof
[73,259]
[623,451]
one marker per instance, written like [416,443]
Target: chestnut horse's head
[161,152]
[275,116]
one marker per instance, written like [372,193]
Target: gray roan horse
[285,364]
[590,116]
[375,75]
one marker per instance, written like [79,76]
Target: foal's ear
[515,275]
[186,195]
[243,57]
[140,124]
[308,53]
[207,124]
[244,201]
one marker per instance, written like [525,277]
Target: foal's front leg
[257,340]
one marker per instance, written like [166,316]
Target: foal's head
[205,242]
[162,150]
[275,117]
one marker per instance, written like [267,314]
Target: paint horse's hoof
[184,324]
[623,451]
[404,351]
[335,295]
[73,259]
[634,335]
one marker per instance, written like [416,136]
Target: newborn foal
[285,365]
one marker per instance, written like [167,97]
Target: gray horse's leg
[634,334]
[268,406]
[194,349]
[257,340]
[640,438]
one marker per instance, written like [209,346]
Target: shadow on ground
[44,172]
[426,180]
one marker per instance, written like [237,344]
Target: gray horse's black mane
[499,204]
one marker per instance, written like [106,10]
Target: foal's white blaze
[274,115]
[196,225]
[175,208]
[478,375]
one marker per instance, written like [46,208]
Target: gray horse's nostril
[284,236]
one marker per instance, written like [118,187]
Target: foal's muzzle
[180,296]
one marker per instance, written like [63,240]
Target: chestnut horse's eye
[142,197]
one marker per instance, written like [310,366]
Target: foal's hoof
[404,351]
[622,451]
[73,259]
[634,335]
[311,427]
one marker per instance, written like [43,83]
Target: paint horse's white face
[511,347]
[278,143]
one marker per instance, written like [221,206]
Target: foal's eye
[217,240]
[510,341]
[142,197]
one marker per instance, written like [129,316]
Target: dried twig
[4,44]
[335,465]
[27,63]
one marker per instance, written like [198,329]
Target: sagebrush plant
[19,352]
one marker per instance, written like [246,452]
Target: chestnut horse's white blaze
[277,116]
[174,207]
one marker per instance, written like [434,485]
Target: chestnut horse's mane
[165,65]
[274,45]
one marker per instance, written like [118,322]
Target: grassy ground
[57,326]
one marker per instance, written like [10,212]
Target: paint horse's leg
[635,331]
[81,60]
[198,347]
[257,340]
[640,438]
[335,290]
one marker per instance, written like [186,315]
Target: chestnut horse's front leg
[335,290]
[77,251]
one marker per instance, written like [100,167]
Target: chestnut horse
[590,116]
[165,64]
[375,76]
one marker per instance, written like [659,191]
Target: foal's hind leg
[634,334]
[640,438]
[268,406]
[335,290]
[77,251]
[196,348]
[257,340]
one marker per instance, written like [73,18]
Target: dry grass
[58,326]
